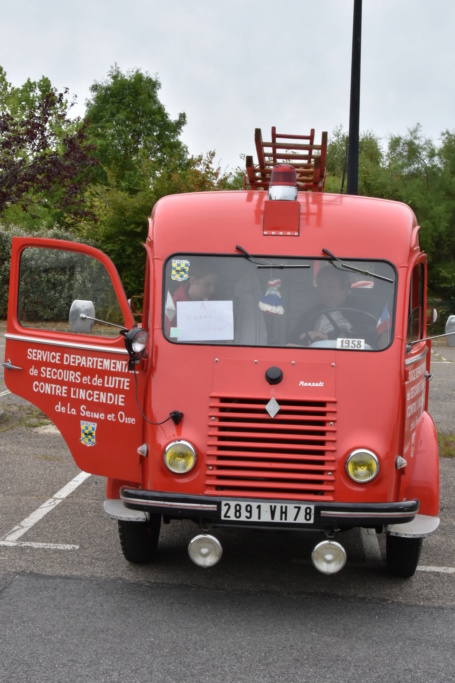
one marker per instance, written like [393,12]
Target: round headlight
[362,466]
[180,457]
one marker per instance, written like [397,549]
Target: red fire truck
[278,378]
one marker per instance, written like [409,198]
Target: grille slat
[285,431]
[245,486]
[289,456]
[252,465]
[276,475]
[310,456]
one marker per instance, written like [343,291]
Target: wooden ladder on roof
[299,151]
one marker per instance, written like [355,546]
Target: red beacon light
[283,183]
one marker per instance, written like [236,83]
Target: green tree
[415,177]
[141,159]
[442,259]
[123,215]
[370,162]
[336,159]
[137,143]
[44,154]
[129,125]
[413,154]
[372,174]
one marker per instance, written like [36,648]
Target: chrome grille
[253,455]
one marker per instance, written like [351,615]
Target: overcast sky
[233,66]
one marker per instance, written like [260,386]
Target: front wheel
[402,555]
[139,540]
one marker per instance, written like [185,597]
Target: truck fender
[424,484]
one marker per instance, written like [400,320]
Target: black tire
[402,555]
[139,540]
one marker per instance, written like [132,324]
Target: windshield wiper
[347,266]
[268,264]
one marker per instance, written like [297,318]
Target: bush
[6,235]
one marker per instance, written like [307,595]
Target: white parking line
[437,570]
[438,357]
[4,393]
[11,539]
[48,546]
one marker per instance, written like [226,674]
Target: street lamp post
[354,111]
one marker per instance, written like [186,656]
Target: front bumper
[326,515]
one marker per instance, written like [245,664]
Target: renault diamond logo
[272,407]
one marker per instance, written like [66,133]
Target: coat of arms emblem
[180,270]
[88,430]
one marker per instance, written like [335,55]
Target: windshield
[313,303]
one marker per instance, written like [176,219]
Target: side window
[53,283]
[416,304]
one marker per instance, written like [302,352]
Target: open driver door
[66,353]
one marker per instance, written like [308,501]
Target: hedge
[40,284]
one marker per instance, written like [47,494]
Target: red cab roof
[349,226]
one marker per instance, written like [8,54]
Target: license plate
[281,513]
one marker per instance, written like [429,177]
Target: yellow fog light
[180,457]
[362,465]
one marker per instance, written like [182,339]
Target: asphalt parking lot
[73,609]
[442,388]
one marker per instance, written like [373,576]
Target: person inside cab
[335,316]
[200,285]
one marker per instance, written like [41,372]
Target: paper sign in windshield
[205,321]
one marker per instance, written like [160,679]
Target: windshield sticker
[170,307]
[385,321]
[180,270]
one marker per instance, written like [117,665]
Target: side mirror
[432,315]
[450,327]
[80,313]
